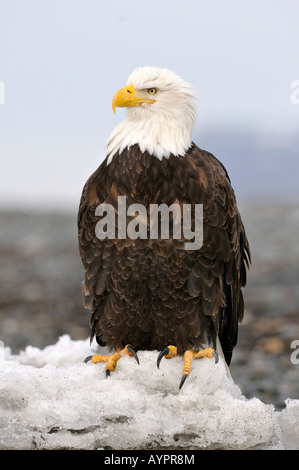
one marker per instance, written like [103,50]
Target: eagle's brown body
[153,293]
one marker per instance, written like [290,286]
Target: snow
[50,399]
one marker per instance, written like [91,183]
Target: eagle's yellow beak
[128,96]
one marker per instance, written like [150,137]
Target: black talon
[107,373]
[183,380]
[88,358]
[162,354]
[131,350]
[215,354]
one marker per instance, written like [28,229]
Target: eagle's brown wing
[219,272]
[90,250]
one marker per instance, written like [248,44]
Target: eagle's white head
[161,111]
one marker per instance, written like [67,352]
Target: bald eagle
[150,292]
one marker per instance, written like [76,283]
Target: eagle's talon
[133,353]
[189,355]
[162,354]
[87,359]
[183,380]
[168,353]
[216,356]
[112,359]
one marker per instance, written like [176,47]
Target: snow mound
[50,399]
[288,420]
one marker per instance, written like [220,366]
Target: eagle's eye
[152,91]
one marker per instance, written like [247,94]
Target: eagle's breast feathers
[153,292]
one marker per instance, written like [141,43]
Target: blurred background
[60,63]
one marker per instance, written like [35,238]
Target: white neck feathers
[156,137]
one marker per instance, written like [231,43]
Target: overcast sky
[62,60]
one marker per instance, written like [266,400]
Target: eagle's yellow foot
[112,359]
[189,355]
